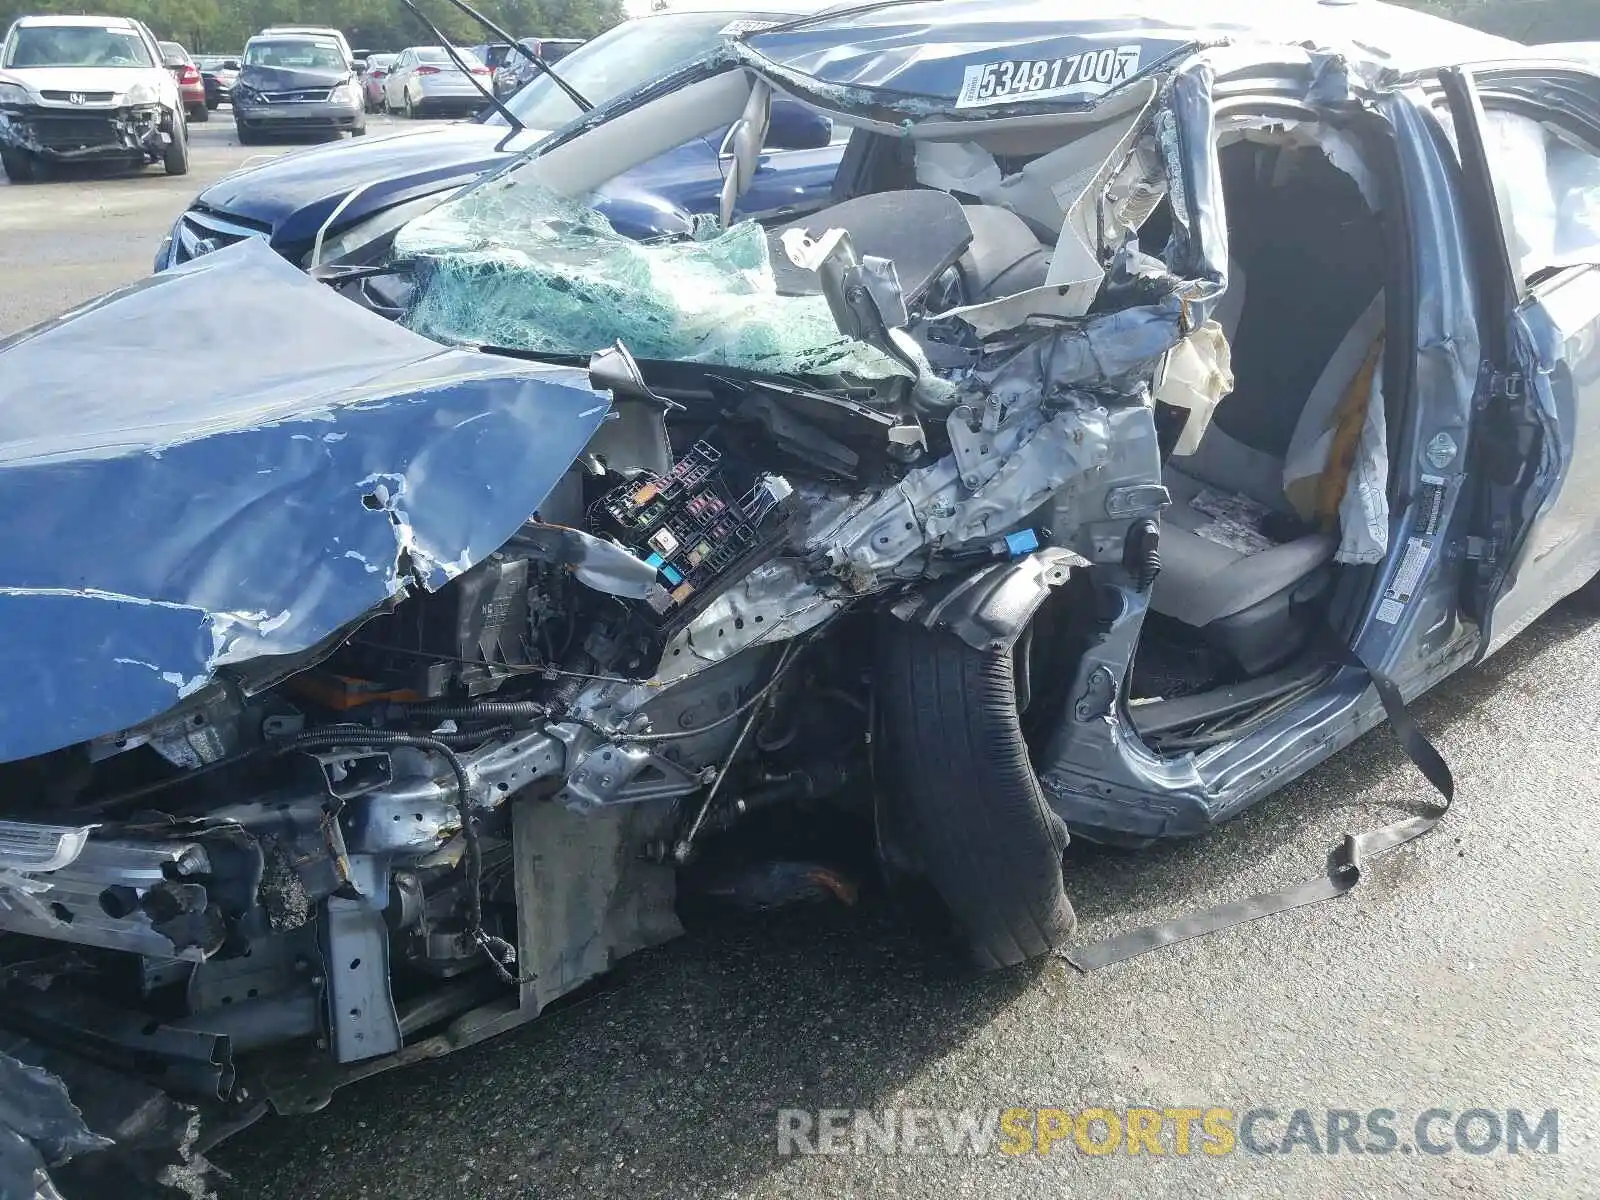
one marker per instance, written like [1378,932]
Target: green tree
[221,26]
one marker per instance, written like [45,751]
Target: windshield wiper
[488,93]
[573,94]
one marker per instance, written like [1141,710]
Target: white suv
[75,89]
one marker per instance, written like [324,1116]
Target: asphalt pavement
[1462,974]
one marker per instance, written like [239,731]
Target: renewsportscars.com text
[1175,1131]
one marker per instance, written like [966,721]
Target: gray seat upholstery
[1248,601]
[1204,581]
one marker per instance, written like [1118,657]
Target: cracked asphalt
[1463,973]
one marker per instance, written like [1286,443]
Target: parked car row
[76,89]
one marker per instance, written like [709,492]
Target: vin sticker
[1404,586]
[1010,81]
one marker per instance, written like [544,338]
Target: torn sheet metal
[1095,352]
[314,461]
[519,266]
[938,508]
[40,1128]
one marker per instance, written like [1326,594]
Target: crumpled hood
[288,79]
[228,461]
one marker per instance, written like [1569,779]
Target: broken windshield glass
[521,267]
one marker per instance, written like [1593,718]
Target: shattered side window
[521,267]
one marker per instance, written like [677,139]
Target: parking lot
[89,230]
[1462,974]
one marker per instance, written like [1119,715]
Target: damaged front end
[64,133]
[370,695]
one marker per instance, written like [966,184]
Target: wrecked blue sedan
[1169,394]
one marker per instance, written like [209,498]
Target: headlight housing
[13,93]
[164,255]
[343,94]
[141,93]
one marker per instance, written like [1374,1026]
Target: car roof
[278,35]
[90,22]
[866,44]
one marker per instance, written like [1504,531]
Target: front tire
[176,158]
[19,166]
[247,137]
[960,778]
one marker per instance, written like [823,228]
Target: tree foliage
[221,26]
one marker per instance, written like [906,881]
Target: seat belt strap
[1345,864]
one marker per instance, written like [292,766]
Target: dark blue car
[1167,393]
[289,200]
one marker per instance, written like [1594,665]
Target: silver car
[424,81]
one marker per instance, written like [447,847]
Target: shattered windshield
[523,268]
[526,262]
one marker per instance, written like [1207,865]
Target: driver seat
[1246,593]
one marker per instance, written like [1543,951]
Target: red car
[190,83]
